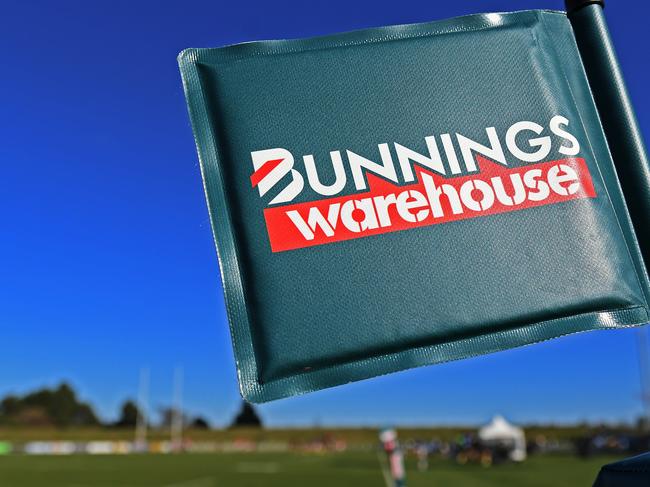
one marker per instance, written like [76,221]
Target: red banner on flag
[432,200]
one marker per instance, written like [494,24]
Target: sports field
[281,470]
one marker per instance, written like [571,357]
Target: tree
[9,406]
[85,416]
[128,415]
[59,407]
[247,416]
[200,423]
[63,406]
[32,416]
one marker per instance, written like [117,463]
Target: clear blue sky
[107,260]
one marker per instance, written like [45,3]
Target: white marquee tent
[501,431]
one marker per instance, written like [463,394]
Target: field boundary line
[385,472]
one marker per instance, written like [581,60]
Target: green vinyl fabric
[617,115]
[367,111]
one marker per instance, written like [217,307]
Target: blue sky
[107,260]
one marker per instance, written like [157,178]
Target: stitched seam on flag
[487,334]
[300,383]
[227,255]
[332,44]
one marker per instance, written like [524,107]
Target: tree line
[61,407]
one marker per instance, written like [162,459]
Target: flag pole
[573,5]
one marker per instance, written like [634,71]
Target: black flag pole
[573,5]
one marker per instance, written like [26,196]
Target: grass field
[281,470]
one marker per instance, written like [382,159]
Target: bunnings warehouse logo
[397,188]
